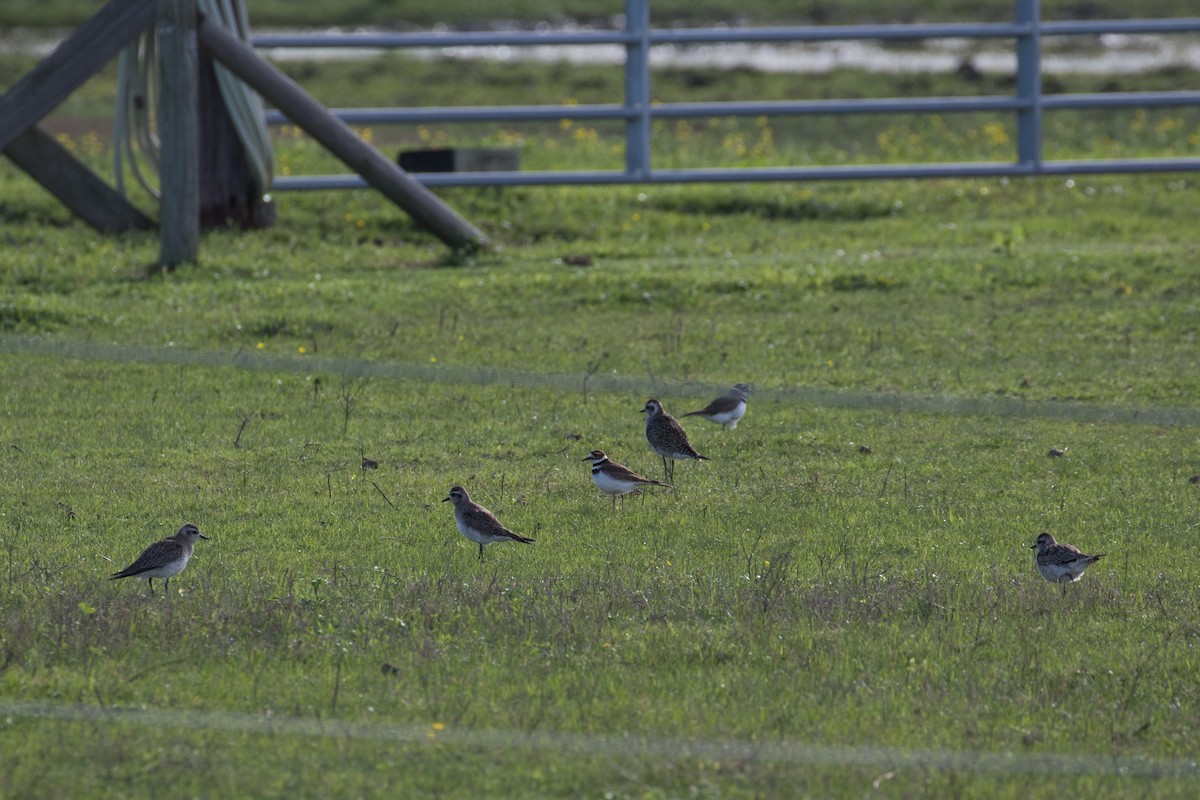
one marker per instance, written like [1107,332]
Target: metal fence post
[637,89]
[1029,85]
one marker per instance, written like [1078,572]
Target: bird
[477,523]
[727,409]
[615,479]
[1061,563]
[165,558]
[667,437]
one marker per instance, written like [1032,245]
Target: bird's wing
[624,473]
[1063,554]
[683,438]
[480,518]
[155,555]
[722,405]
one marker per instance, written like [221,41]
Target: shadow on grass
[777,207]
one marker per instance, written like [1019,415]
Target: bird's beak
[586,458]
[1033,546]
[445,499]
[202,536]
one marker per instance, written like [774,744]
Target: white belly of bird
[167,570]
[731,416]
[611,485]
[474,535]
[1059,573]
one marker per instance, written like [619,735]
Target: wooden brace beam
[79,189]
[336,136]
[76,59]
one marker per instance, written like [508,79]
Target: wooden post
[229,192]
[179,133]
[79,189]
[423,205]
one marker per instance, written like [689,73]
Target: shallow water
[1107,54]
[1080,55]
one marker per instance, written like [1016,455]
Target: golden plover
[615,479]
[165,558]
[667,438]
[477,523]
[727,409]
[1061,563]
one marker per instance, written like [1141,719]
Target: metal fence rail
[638,113]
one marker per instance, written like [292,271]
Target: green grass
[796,590]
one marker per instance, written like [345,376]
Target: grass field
[842,602]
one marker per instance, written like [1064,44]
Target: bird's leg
[614,499]
[666,471]
[481,551]
[151,581]
[166,587]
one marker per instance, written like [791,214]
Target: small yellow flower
[439,726]
[301,349]
[433,359]
[261,345]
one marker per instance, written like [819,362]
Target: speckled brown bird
[165,558]
[1061,563]
[477,523]
[667,438]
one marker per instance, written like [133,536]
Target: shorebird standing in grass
[616,479]
[477,523]
[165,558]
[727,409]
[1061,563]
[667,438]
